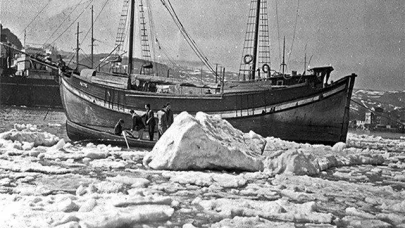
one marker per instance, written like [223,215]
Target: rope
[187,37]
[152,32]
[86,56]
[72,22]
[295,29]
[165,53]
[60,25]
[98,15]
[37,15]
[362,105]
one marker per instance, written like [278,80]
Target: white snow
[359,183]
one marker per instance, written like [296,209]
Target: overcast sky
[365,37]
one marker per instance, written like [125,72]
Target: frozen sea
[87,185]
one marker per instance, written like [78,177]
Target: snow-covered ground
[46,182]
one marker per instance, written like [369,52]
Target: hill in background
[365,100]
[11,37]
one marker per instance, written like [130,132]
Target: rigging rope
[98,15]
[60,25]
[295,28]
[152,29]
[86,57]
[187,37]
[165,53]
[37,15]
[73,22]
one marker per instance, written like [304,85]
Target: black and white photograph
[202,113]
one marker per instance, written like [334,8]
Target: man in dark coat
[137,124]
[150,121]
[118,127]
[169,114]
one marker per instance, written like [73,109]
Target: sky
[364,37]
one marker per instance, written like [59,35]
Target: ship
[24,79]
[304,107]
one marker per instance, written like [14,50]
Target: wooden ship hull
[28,81]
[39,90]
[300,107]
[79,132]
[298,113]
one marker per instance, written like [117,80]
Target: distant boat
[302,108]
[25,80]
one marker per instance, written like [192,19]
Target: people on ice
[162,121]
[150,121]
[169,114]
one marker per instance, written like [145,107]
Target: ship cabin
[317,77]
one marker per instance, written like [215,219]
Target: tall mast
[77,47]
[131,37]
[283,65]
[256,39]
[25,37]
[256,47]
[92,38]
[305,63]
[1,46]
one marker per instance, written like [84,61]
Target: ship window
[280,82]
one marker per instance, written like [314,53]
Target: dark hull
[78,132]
[311,123]
[30,92]
[297,113]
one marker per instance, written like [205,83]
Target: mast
[77,47]
[256,39]
[1,45]
[25,37]
[256,47]
[131,37]
[305,60]
[92,38]
[283,65]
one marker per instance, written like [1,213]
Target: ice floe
[359,183]
[209,142]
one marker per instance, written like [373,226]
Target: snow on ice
[203,173]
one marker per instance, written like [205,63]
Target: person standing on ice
[162,121]
[150,121]
[137,124]
[169,114]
